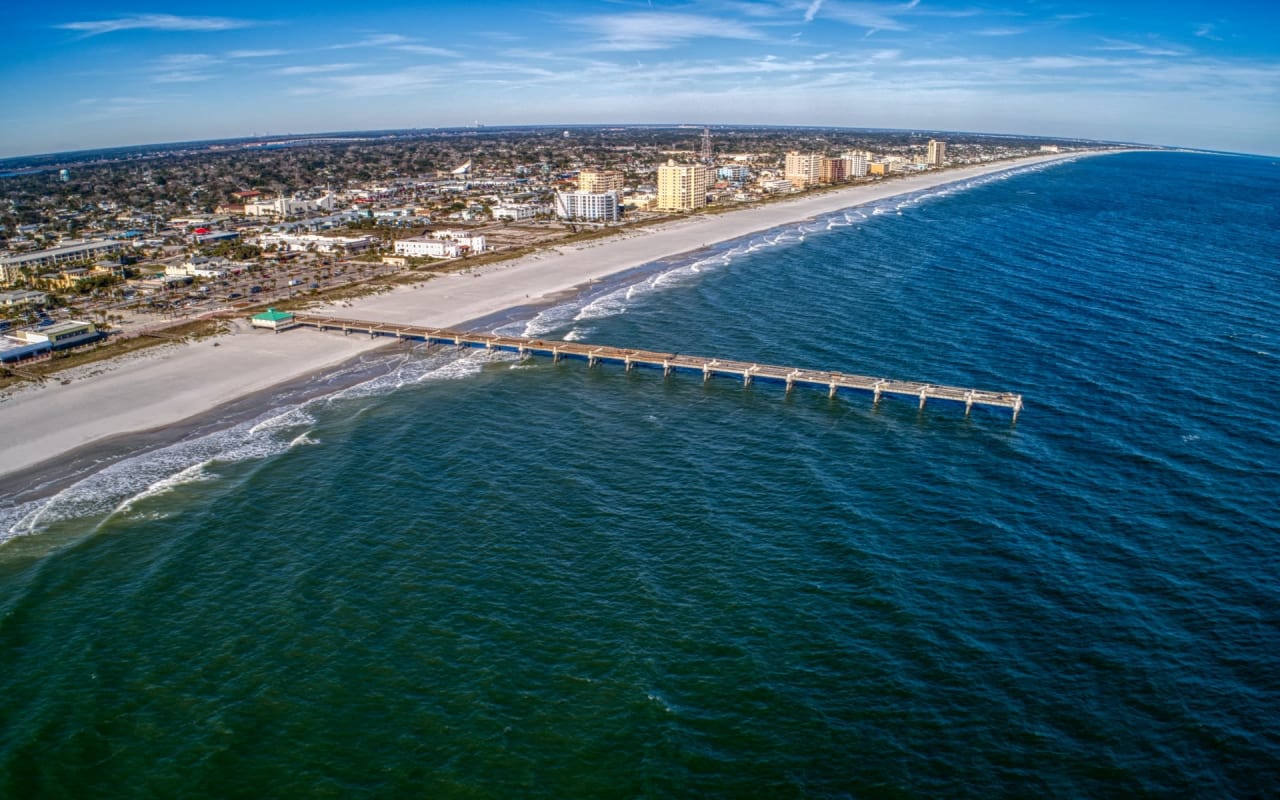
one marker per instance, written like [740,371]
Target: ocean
[454,574]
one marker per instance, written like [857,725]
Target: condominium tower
[803,169]
[937,153]
[682,187]
[598,181]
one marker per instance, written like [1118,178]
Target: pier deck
[744,371]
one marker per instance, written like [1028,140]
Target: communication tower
[706,148]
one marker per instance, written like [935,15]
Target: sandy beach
[165,386]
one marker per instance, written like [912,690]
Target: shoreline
[136,398]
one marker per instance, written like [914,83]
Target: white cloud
[256,53]
[315,69]
[1206,31]
[426,50]
[872,16]
[1143,49]
[375,40]
[659,30]
[182,77]
[155,22]
[1001,31]
[812,10]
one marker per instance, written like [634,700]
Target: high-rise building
[937,152]
[803,169]
[600,180]
[682,187]
[594,206]
[833,170]
[855,163]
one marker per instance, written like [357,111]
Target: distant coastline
[175,385]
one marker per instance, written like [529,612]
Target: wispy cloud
[1001,31]
[183,77]
[812,10]
[872,16]
[256,53]
[1120,45]
[411,79]
[183,68]
[315,69]
[659,30]
[374,40]
[426,50]
[1206,31]
[155,22]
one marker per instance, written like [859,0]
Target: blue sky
[1196,74]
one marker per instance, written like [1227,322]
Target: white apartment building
[515,212]
[855,163]
[593,206]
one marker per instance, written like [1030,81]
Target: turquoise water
[447,574]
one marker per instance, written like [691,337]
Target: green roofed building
[275,320]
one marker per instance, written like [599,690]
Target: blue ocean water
[450,574]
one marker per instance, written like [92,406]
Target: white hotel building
[441,244]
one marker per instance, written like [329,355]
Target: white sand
[172,383]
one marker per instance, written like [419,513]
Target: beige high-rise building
[599,181]
[937,152]
[803,169]
[682,187]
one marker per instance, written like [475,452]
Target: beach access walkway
[744,371]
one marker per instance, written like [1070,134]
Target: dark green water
[481,578]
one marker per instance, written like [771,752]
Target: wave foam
[119,488]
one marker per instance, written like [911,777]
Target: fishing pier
[745,371]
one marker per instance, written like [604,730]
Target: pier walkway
[744,371]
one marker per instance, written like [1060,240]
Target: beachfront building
[592,206]
[734,173]
[803,169]
[775,185]
[937,152]
[833,170]
[855,163]
[273,320]
[441,244]
[682,187]
[599,181]
[59,336]
[11,267]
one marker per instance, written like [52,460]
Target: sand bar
[162,387]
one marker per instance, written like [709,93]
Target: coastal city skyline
[1181,74]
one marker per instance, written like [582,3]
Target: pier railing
[745,371]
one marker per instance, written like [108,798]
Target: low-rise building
[516,212]
[11,266]
[318,243]
[441,244]
[274,320]
[22,298]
